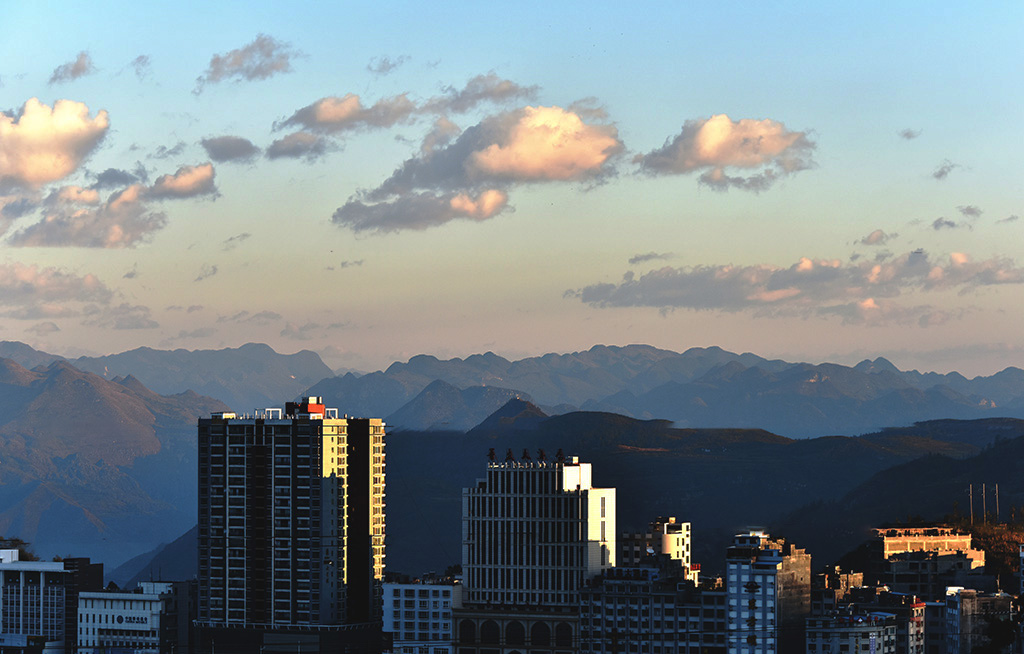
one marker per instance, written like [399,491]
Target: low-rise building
[853,633]
[32,597]
[645,611]
[136,622]
[418,616]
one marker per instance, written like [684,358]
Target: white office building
[122,621]
[419,616]
[533,532]
[31,602]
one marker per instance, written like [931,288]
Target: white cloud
[186,182]
[718,144]
[877,237]
[41,145]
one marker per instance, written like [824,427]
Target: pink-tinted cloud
[23,285]
[419,211]
[186,182]
[808,287]
[877,237]
[74,195]
[41,145]
[546,143]
[718,144]
[334,114]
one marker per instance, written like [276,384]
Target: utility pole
[970,494]
[997,503]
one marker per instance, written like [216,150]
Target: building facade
[419,616]
[645,611]
[32,602]
[291,523]
[768,590]
[664,535]
[124,621]
[533,533]
[874,633]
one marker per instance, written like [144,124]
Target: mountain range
[101,462]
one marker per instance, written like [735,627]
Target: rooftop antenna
[490,454]
[541,456]
[508,455]
[560,456]
[526,455]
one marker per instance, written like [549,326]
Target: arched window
[515,634]
[540,635]
[490,633]
[563,635]
[467,632]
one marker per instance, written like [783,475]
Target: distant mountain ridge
[700,387]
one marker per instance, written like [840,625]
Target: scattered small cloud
[381,66]
[944,169]
[945,223]
[201,332]
[350,264]
[309,330]
[650,256]
[230,148]
[419,211]
[877,237]
[259,318]
[194,307]
[207,271]
[263,58]
[122,316]
[42,144]
[133,273]
[116,178]
[234,241]
[969,211]
[910,134]
[299,145]
[1009,219]
[80,67]
[141,66]
[43,328]
[164,152]
[715,145]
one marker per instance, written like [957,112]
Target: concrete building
[852,633]
[895,540]
[32,603]
[974,620]
[645,611]
[291,528]
[533,533]
[907,610]
[664,535]
[126,621]
[768,586]
[419,616]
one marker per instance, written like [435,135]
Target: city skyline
[802,182]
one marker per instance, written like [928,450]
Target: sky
[808,181]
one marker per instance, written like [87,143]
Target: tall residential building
[291,526]
[533,533]
[978,621]
[768,591]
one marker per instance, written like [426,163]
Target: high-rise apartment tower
[291,520]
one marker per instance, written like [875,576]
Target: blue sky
[805,181]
